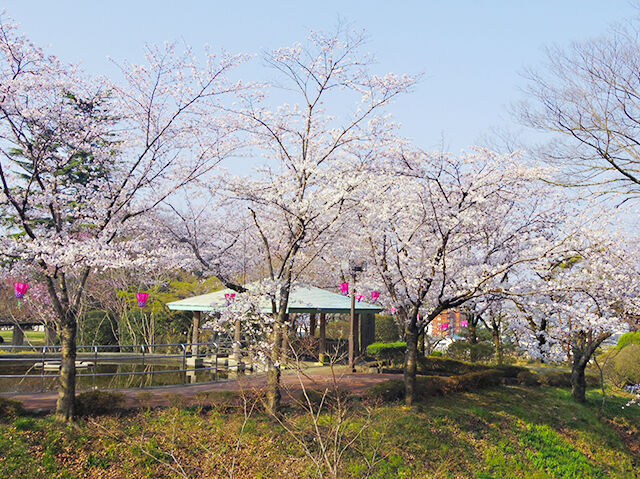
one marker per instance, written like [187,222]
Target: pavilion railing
[36,368]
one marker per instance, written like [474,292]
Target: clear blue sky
[471,52]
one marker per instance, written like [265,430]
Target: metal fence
[36,368]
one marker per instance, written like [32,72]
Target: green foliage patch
[390,353]
[551,453]
[626,339]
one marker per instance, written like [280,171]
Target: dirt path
[315,378]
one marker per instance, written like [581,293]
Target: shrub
[387,330]
[510,371]
[449,366]
[392,353]
[98,402]
[436,354]
[470,352]
[628,338]
[391,390]
[558,379]
[473,381]
[625,367]
[10,408]
[428,386]
[527,378]
[562,379]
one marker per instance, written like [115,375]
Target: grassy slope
[505,432]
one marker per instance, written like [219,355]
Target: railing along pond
[100,366]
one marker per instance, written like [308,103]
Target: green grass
[36,338]
[506,432]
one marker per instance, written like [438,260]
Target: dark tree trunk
[578,379]
[65,407]
[473,329]
[583,345]
[421,345]
[280,329]
[498,345]
[273,372]
[411,360]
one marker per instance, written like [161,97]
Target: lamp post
[354,267]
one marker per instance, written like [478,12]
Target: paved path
[315,378]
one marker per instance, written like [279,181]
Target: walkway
[316,378]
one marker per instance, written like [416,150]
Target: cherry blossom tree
[83,159]
[577,300]
[442,230]
[314,145]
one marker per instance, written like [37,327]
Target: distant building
[449,323]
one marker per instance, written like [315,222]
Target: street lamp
[353,267]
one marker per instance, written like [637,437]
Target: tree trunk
[411,361]
[279,329]
[421,346]
[473,329]
[65,407]
[498,345]
[273,372]
[578,379]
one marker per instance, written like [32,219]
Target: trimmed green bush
[448,366]
[562,379]
[98,402]
[10,408]
[466,351]
[511,371]
[527,378]
[391,353]
[428,386]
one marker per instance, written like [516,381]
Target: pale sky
[471,52]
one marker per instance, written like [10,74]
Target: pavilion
[302,300]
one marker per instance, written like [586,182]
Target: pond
[25,374]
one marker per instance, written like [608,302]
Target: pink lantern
[20,289]
[359,297]
[142,299]
[344,288]
[229,297]
[374,296]
[393,310]
[464,323]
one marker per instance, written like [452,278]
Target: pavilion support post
[367,331]
[195,334]
[18,336]
[194,361]
[312,325]
[322,345]
[237,345]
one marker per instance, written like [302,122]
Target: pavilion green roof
[302,299]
